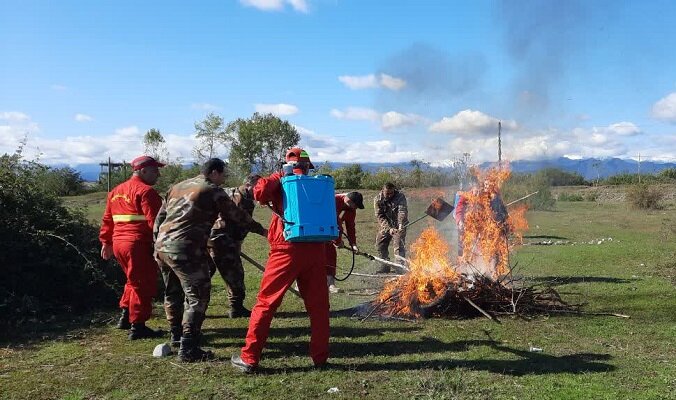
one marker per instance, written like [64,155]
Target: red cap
[145,161]
[298,154]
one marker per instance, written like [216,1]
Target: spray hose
[353,261]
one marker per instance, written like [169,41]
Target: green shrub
[669,174]
[42,274]
[558,177]
[631,179]
[591,196]
[519,185]
[570,197]
[644,196]
[377,180]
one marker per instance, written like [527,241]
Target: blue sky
[361,80]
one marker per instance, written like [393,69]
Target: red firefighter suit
[128,224]
[348,217]
[287,261]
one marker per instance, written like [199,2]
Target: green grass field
[584,356]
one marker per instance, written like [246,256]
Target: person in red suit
[346,211]
[127,233]
[287,261]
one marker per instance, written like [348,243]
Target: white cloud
[359,82]
[391,82]
[83,118]
[624,129]
[124,143]
[299,5]
[471,122]
[277,109]
[331,148]
[372,81]
[356,113]
[276,5]
[128,131]
[204,107]
[665,108]
[388,121]
[59,88]
[393,120]
[13,116]
[14,127]
[615,140]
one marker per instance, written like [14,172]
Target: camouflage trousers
[188,289]
[227,261]
[383,239]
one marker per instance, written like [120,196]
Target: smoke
[542,39]
[432,75]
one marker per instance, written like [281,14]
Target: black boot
[124,323]
[176,333]
[190,351]
[237,310]
[141,331]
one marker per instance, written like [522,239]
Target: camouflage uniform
[391,214]
[182,229]
[225,246]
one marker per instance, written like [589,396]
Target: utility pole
[639,168]
[499,144]
[110,172]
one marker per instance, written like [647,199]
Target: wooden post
[500,144]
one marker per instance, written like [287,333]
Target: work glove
[339,244]
[355,248]
[394,231]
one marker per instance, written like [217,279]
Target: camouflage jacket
[391,213]
[225,233]
[190,208]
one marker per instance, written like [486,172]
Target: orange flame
[430,275]
[486,226]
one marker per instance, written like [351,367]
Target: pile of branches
[472,297]
[491,298]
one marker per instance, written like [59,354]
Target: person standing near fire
[304,262]
[182,230]
[127,233]
[392,215]
[225,247]
[346,211]
[480,206]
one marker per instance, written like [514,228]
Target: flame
[431,273]
[487,225]
[485,247]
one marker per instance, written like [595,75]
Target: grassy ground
[597,357]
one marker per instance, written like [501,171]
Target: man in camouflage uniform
[182,229]
[225,246]
[392,214]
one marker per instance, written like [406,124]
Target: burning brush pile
[480,281]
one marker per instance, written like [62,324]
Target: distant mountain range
[589,168]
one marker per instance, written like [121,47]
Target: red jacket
[269,190]
[348,217]
[130,213]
